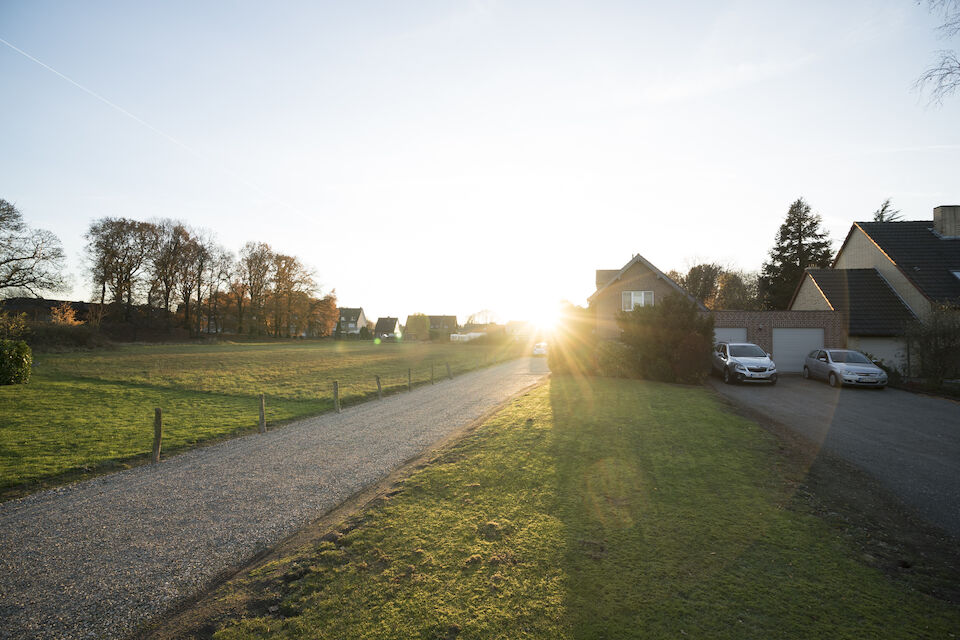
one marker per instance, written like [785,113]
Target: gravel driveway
[909,442]
[97,559]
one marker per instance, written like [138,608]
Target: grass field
[90,411]
[598,509]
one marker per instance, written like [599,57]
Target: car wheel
[833,380]
[727,378]
[882,387]
[806,373]
[773,380]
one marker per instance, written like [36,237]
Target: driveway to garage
[909,442]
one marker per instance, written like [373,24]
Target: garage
[791,346]
[730,334]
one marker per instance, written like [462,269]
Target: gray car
[743,362]
[844,367]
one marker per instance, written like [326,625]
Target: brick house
[637,284]
[788,335]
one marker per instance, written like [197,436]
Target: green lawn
[89,410]
[591,509]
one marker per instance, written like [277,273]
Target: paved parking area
[909,442]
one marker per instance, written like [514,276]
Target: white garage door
[791,346]
[728,334]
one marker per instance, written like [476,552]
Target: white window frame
[637,299]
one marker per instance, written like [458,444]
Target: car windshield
[747,351]
[852,357]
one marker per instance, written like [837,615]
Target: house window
[351,325]
[631,299]
[957,273]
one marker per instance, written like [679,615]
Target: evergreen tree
[886,213]
[800,244]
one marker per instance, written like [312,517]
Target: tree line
[139,267]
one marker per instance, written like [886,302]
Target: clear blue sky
[447,157]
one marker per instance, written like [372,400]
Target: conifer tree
[800,244]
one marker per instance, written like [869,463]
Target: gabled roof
[443,322]
[386,325]
[348,314]
[606,275]
[615,275]
[924,257]
[864,296]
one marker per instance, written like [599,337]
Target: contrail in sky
[169,138]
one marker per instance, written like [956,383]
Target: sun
[545,319]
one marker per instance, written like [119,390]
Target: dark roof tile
[926,258]
[873,308]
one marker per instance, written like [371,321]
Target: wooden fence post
[336,395]
[379,389]
[263,415]
[157,433]
[409,381]
[449,375]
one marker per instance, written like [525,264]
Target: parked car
[844,366]
[540,349]
[743,362]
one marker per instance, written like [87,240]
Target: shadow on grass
[682,519]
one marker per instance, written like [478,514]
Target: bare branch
[942,79]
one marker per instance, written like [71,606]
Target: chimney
[946,221]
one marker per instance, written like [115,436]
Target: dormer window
[956,273]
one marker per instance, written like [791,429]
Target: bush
[13,326]
[16,361]
[615,360]
[935,341]
[45,336]
[670,341]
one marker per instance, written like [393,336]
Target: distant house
[351,321]
[637,284]
[388,328]
[886,274]
[442,326]
[39,309]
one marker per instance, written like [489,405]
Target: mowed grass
[591,509]
[86,411]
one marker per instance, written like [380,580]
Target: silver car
[844,367]
[743,362]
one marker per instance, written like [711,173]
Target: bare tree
[118,250]
[221,268]
[256,260]
[943,77]
[292,282]
[164,263]
[31,260]
[237,290]
[187,279]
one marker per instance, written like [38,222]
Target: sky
[449,157]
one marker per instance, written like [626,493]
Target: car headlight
[739,367]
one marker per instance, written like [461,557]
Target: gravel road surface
[98,559]
[909,442]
